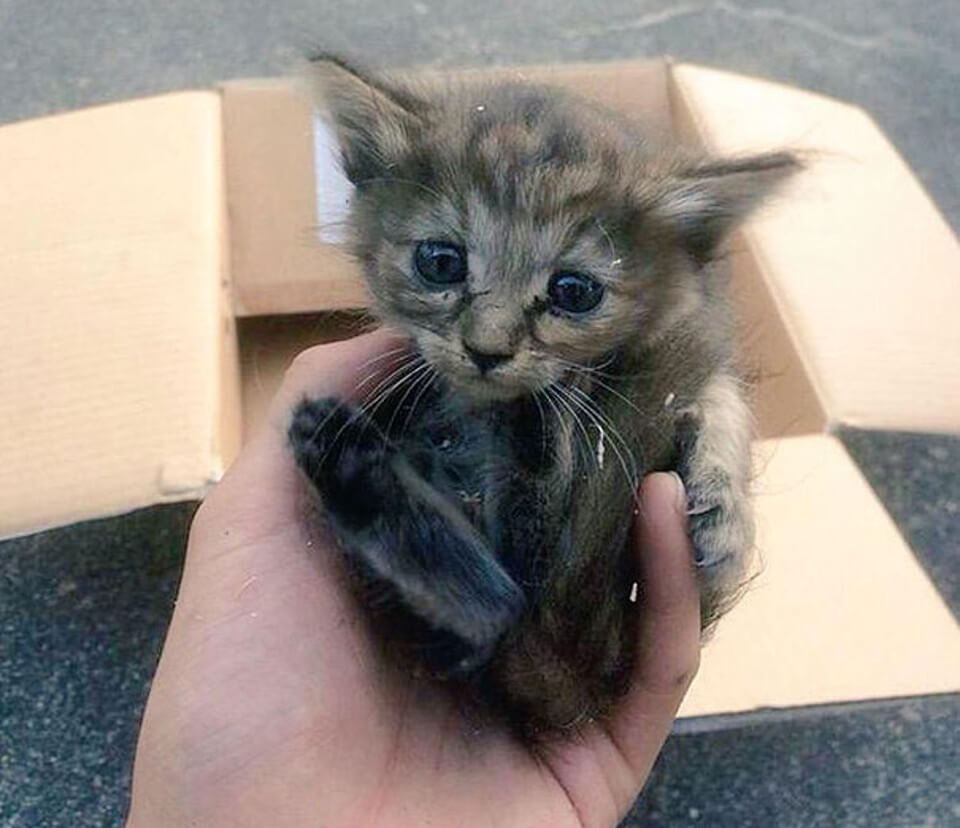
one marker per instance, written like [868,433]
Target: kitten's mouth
[498,383]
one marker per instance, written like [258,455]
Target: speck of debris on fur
[471,498]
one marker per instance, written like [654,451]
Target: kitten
[556,273]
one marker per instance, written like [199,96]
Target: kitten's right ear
[374,119]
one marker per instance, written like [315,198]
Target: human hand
[271,706]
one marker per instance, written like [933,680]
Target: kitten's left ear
[707,200]
[374,118]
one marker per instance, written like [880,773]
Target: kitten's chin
[482,391]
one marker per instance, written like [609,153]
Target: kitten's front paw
[720,521]
[721,527]
[719,515]
[314,427]
[334,444]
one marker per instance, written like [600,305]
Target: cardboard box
[163,259]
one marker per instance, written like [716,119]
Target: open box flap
[115,376]
[840,610]
[277,262]
[862,269]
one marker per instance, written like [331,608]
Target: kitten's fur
[489,513]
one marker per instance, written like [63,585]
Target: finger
[668,647]
[259,490]
[347,369]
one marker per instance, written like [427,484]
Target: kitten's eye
[574,292]
[440,263]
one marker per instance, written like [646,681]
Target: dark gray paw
[338,449]
[314,426]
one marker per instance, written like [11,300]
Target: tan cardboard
[268,345]
[127,378]
[112,386]
[863,269]
[840,609]
[277,263]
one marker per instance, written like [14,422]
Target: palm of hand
[271,707]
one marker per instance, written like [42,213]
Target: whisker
[629,472]
[336,436]
[645,420]
[385,354]
[563,400]
[599,413]
[341,404]
[413,369]
[548,397]
[617,442]
[612,390]
[580,427]
[431,378]
[391,384]
[322,424]
[406,371]
[414,380]
[378,372]
[377,391]
[593,370]
[543,422]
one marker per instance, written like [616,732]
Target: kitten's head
[514,231]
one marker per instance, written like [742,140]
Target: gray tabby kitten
[555,272]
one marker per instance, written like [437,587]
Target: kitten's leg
[405,534]
[714,462]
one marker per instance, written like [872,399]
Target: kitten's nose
[485,360]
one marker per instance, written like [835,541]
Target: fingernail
[680,493]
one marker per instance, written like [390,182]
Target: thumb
[668,646]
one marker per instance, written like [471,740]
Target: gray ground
[83,610]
